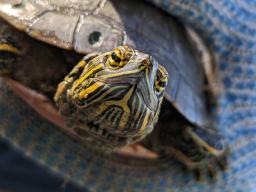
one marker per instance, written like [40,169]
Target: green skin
[197,148]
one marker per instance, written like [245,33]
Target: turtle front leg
[201,150]
[9,54]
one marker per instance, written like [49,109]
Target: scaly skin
[106,133]
[113,99]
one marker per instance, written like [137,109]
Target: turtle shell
[99,25]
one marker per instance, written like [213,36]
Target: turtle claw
[197,174]
[223,163]
[210,172]
[210,167]
[202,151]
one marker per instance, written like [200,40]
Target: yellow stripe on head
[84,93]
[161,79]
[9,48]
[86,75]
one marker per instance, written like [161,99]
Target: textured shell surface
[100,25]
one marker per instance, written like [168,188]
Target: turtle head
[118,96]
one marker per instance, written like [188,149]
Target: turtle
[140,80]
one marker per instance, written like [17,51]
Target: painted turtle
[124,86]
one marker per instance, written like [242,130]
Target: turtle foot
[201,150]
[209,167]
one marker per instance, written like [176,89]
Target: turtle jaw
[115,122]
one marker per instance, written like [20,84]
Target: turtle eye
[117,59]
[160,84]
[161,79]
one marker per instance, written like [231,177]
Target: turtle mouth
[102,136]
[42,105]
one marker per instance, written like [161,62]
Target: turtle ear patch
[161,79]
